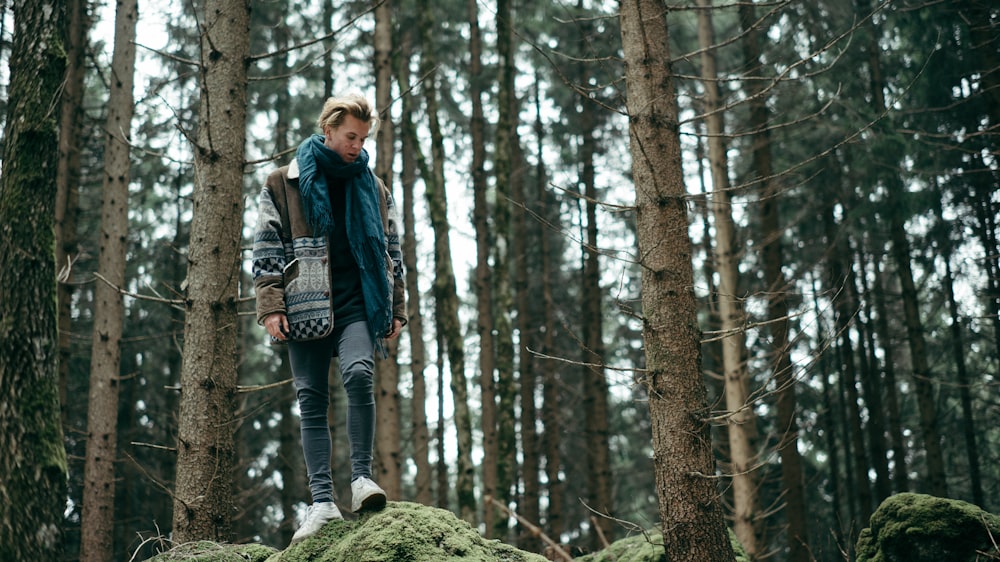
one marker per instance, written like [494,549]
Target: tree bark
[690,509]
[484,273]
[32,456]
[71,119]
[203,494]
[387,427]
[503,165]
[98,521]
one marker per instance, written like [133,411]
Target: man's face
[348,139]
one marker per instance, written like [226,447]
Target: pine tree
[32,457]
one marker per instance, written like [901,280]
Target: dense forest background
[841,173]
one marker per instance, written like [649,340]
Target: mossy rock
[402,532]
[648,547]
[921,528]
[205,551]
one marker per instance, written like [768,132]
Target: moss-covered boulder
[205,551]
[648,547]
[922,528]
[402,532]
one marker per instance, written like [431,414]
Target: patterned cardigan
[291,272]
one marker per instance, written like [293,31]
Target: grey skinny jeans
[310,362]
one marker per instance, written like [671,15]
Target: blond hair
[338,107]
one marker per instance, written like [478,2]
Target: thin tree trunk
[777,307]
[829,422]
[444,288]
[871,383]
[923,378]
[551,407]
[32,455]
[98,521]
[420,437]
[741,422]
[442,464]
[900,475]
[289,461]
[203,494]
[527,326]
[503,159]
[595,384]
[961,369]
[484,273]
[690,509]
[71,118]
[388,439]
[840,277]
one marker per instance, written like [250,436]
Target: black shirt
[345,277]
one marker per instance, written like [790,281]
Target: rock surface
[922,528]
[402,532]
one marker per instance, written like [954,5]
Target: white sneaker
[366,495]
[317,515]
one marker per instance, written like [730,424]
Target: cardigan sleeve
[395,255]
[268,256]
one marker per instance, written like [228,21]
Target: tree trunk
[551,407]
[595,384]
[829,422]
[777,308]
[68,179]
[871,383]
[203,495]
[444,289]
[289,461]
[528,323]
[840,277]
[741,422]
[503,159]
[961,370]
[418,357]
[900,474]
[32,456]
[484,273]
[97,522]
[387,427]
[690,509]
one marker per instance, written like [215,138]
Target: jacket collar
[293,169]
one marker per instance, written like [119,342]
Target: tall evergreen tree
[690,509]
[203,495]
[32,457]
[97,523]
[741,420]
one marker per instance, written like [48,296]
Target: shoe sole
[373,502]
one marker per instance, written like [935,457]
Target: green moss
[404,532]
[206,551]
[918,528]
[648,548]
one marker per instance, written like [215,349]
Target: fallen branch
[535,531]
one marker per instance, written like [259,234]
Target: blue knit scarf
[363,221]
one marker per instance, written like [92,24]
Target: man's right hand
[276,324]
